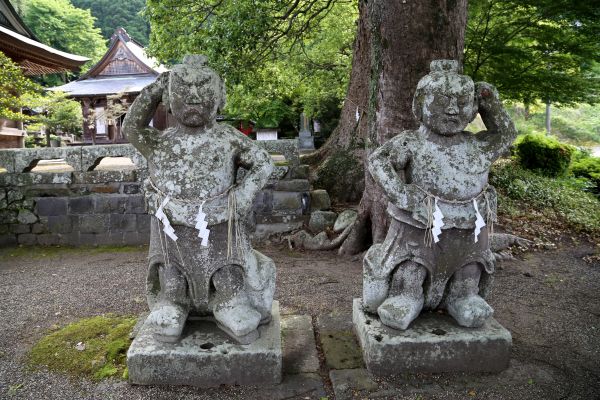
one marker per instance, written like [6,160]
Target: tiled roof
[106,85]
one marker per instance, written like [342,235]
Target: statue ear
[417,106]
[166,86]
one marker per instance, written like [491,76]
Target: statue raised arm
[201,260]
[436,253]
[136,123]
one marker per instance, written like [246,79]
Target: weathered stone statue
[436,253]
[201,262]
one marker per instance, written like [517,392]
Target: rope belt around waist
[435,216]
[201,225]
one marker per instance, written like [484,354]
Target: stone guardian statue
[201,262]
[436,253]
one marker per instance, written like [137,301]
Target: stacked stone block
[284,204]
[82,207]
[95,207]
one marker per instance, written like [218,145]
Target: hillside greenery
[65,27]
[112,14]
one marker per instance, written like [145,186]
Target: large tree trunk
[401,39]
[340,160]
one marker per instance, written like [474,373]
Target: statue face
[194,97]
[448,113]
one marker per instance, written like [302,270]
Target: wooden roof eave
[15,21]
[37,58]
[108,57]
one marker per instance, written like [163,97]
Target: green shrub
[588,168]
[562,198]
[544,154]
[30,142]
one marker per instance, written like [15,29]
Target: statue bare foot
[231,305]
[167,320]
[399,311]
[238,319]
[470,312]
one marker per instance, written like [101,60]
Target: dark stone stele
[205,356]
[434,343]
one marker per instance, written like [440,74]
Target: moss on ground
[341,349]
[101,353]
[53,251]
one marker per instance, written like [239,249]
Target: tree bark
[339,162]
[396,41]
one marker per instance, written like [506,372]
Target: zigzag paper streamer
[162,217]
[479,222]
[436,229]
[201,225]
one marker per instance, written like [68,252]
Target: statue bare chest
[194,167]
[452,171]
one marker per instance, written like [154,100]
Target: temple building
[110,86]
[35,58]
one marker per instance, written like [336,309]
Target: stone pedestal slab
[299,348]
[306,142]
[205,356]
[434,343]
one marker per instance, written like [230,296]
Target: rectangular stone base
[306,143]
[433,343]
[205,356]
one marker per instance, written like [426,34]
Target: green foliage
[106,340]
[562,198]
[234,35]
[59,24]
[112,14]
[272,112]
[588,168]
[56,112]
[579,125]
[535,49]
[13,87]
[278,58]
[30,142]
[544,154]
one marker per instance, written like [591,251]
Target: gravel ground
[549,301]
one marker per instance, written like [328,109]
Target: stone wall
[101,207]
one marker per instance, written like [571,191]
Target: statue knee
[375,291]
[173,285]
[229,278]
[373,263]
[469,271]
[410,272]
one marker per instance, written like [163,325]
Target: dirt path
[549,301]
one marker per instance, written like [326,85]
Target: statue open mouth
[192,113]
